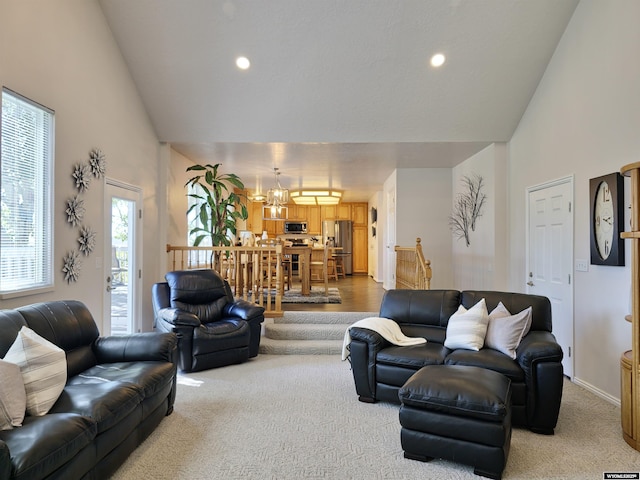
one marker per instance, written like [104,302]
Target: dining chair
[319,268]
[270,264]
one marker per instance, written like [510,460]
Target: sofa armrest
[176,317]
[540,357]
[374,340]
[538,346]
[149,346]
[245,310]
[365,345]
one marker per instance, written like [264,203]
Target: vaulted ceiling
[339,92]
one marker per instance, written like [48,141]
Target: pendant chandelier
[277,197]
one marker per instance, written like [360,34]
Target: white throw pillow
[500,311]
[504,333]
[467,328]
[13,399]
[44,369]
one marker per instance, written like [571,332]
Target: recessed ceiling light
[438,60]
[243,63]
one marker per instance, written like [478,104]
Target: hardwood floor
[359,293]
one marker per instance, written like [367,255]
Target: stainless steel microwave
[295,227]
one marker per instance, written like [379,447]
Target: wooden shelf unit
[630,360]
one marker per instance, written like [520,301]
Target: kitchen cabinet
[314,220]
[360,250]
[256,224]
[359,214]
[297,212]
[254,220]
[341,211]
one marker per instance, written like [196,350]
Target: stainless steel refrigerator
[339,233]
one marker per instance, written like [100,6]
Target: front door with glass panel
[122,259]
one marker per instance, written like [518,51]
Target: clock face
[603,220]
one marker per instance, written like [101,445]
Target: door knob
[109,288]
[530,283]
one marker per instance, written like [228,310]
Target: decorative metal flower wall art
[97,163]
[75,210]
[82,177]
[71,266]
[87,240]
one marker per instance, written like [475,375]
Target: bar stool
[339,266]
[332,269]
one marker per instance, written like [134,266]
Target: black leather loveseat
[118,389]
[380,368]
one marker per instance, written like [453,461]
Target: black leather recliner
[213,328]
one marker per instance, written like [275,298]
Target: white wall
[584,119]
[423,197]
[177,230]
[62,55]
[483,264]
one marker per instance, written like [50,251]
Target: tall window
[193,218]
[26,192]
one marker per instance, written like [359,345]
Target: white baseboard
[597,391]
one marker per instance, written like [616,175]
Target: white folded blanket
[386,327]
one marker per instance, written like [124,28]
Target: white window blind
[26,173]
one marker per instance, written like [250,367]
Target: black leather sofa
[380,368]
[118,390]
[213,328]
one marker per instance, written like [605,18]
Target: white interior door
[550,257]
[123,276]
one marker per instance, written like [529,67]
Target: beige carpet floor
[297,417]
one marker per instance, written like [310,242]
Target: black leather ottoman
[457,413]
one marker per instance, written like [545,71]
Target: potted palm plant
[217,206]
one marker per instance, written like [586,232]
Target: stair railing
[254,274]
[413,271]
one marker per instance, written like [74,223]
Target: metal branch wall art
[467,207]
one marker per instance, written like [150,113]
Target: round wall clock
[606,195]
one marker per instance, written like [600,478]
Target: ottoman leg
[415,456]
[483,473]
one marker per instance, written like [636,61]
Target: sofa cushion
[505,331]
[150,377]
[219,336]
[44,369]
[106,403]
[514,302]
[487,358]
[44,444]
[414,356]
[13,398]
[467,328]
[69,325]
[420,307]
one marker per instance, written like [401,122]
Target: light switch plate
[582,265]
